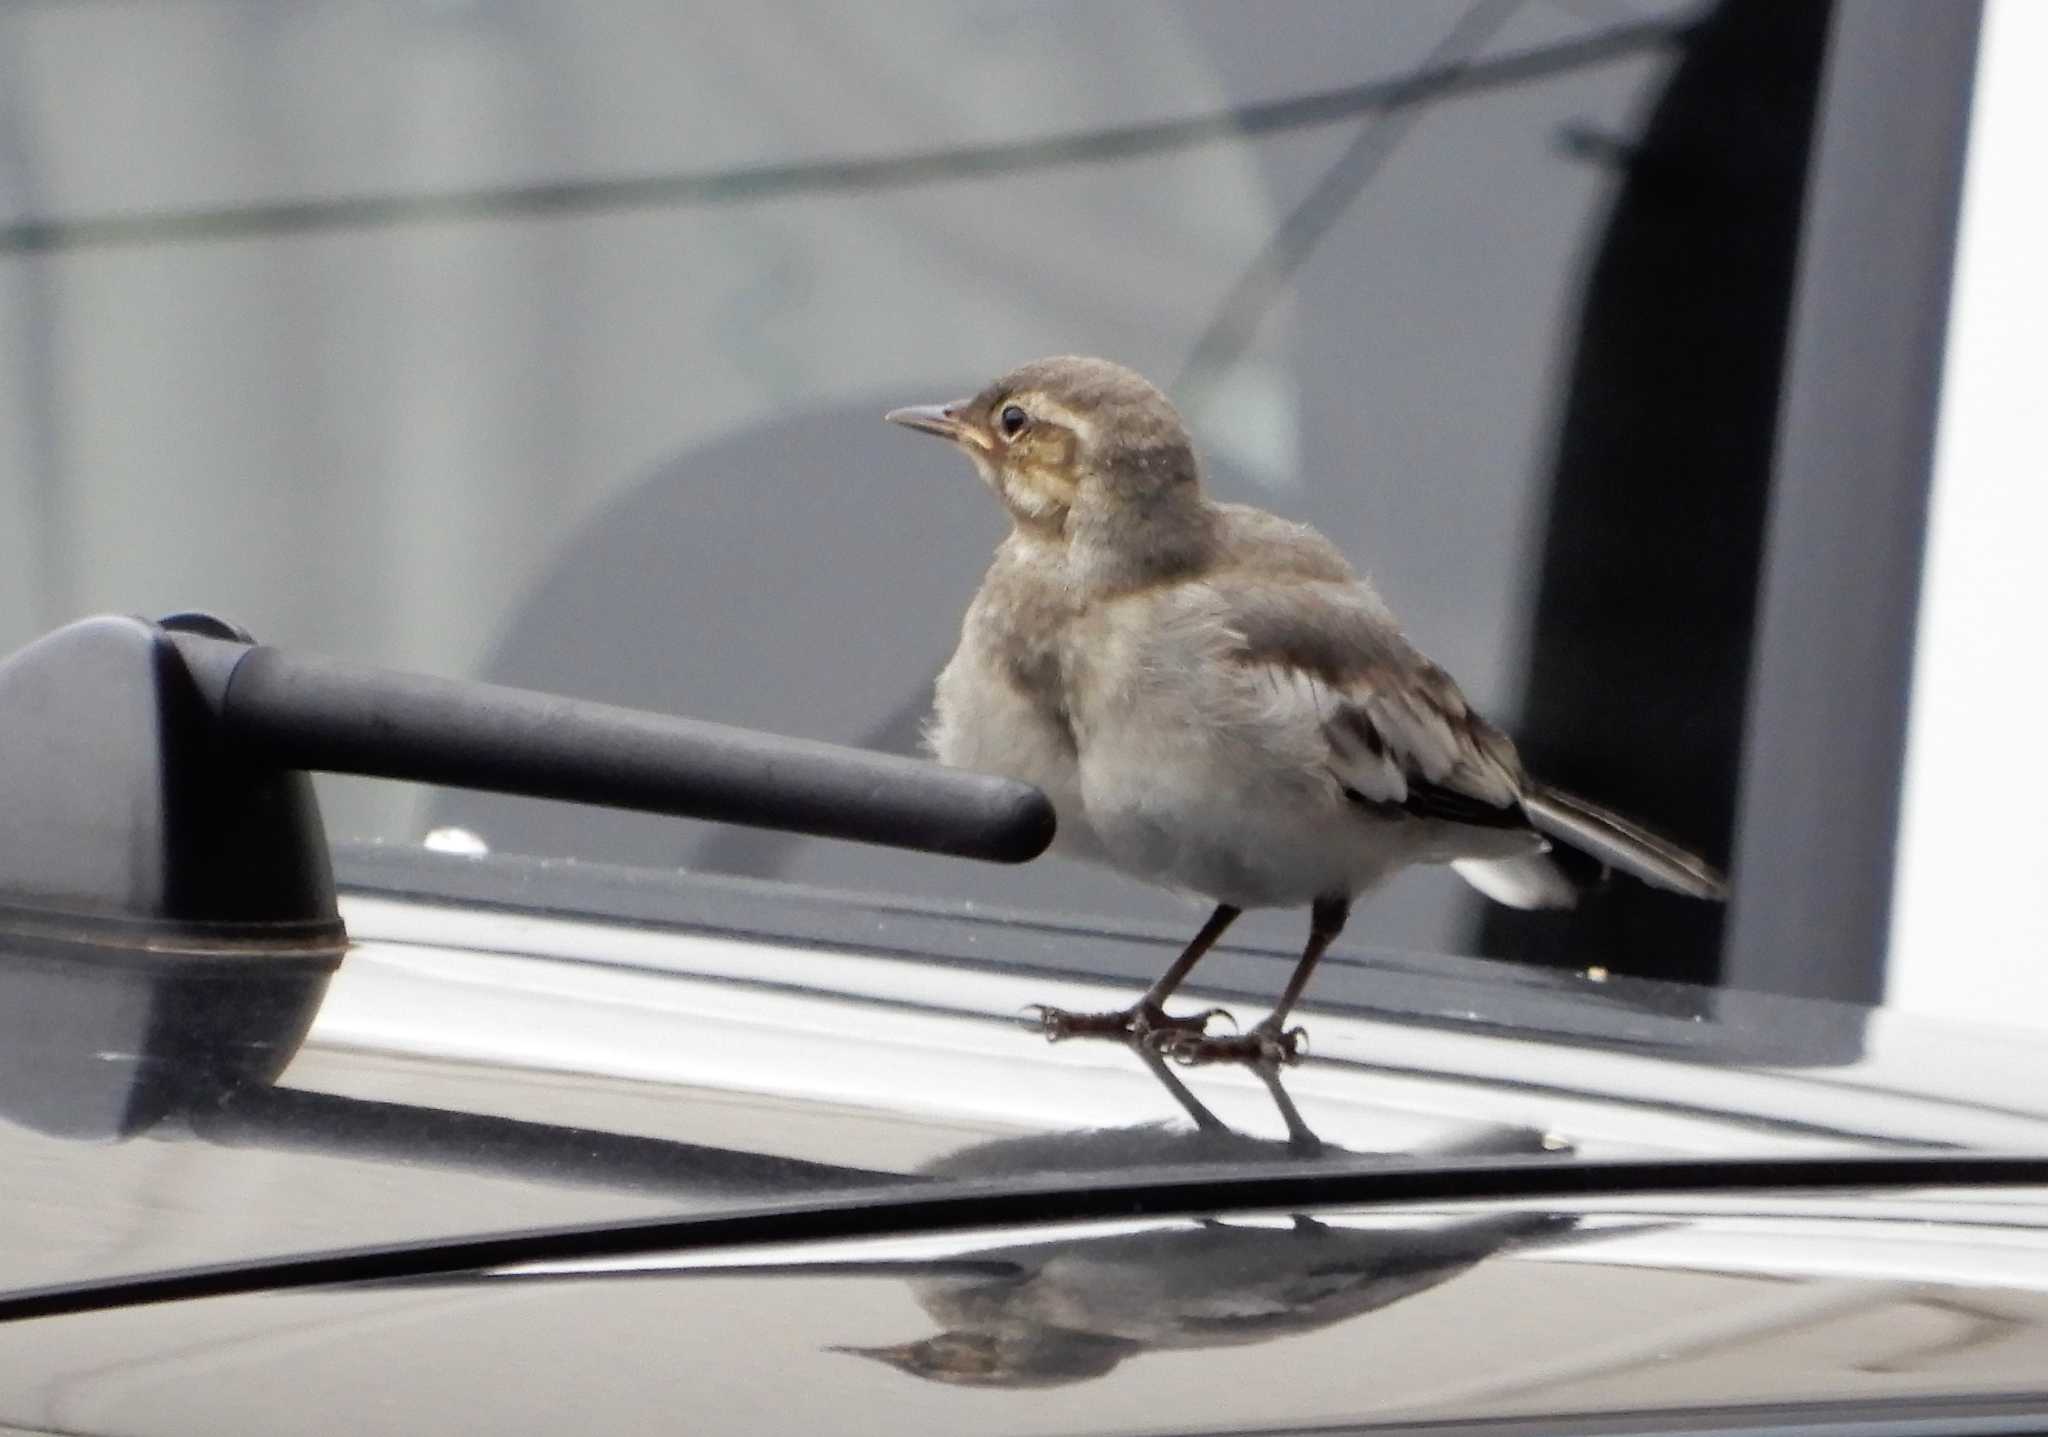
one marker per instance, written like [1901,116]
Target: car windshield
[549,346]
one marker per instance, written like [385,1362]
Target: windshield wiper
[154,793]
[1176,1192]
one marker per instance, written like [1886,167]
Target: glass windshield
[549,346]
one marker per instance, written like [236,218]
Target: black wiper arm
[957,1207]
[310,712]
[154,791]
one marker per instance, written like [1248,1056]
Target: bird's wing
[1393,728]
[1254,539]
[1316,672]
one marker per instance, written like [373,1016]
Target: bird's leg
[1301,1139]
[1204,1120]
[1147,1016]
[1325,921]
[1271,1041]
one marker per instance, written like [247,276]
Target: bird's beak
[896,1356]
[943,420]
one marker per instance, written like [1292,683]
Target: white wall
[1970,916]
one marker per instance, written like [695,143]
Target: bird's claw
[1144,1023]
[1262,1046]
[1158,1029]
[1050,1021]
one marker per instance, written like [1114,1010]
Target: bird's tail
[1527,880]
[1620,843]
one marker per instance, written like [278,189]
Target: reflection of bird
[1215,702]
[1043,1314]
[1063,1311]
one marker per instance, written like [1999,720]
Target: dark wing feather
[1402,739]
[1446,805]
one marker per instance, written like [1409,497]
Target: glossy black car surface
[882,1202]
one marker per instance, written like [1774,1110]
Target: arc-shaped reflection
[101,1044]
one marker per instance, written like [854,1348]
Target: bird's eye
[1012,420]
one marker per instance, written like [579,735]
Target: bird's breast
[1000,707]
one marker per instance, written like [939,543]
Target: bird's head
[1068,439]
[1029,1356]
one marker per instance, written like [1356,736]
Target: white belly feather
[981,721]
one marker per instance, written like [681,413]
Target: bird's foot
[1266,1045]
[1146,1023]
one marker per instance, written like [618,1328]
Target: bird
[1217,703]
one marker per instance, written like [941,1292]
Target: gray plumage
[1212,698]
